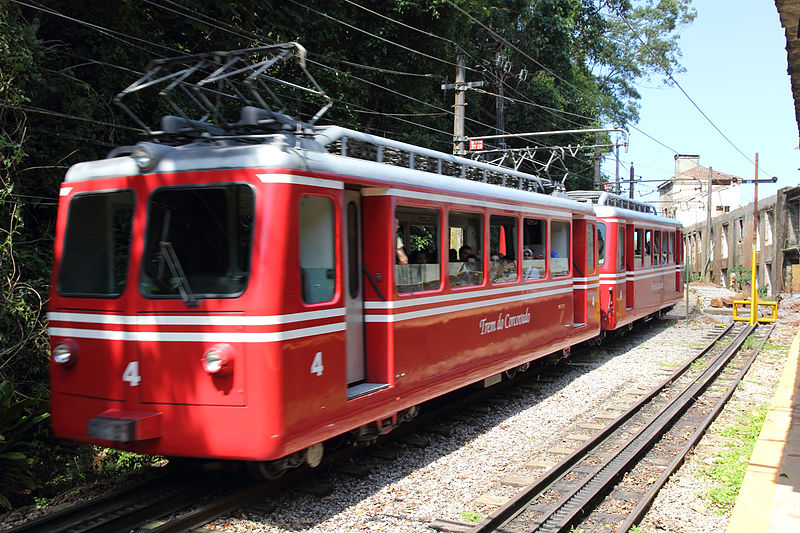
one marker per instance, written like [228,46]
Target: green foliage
[471,516]
[22,268]
[693,277]
[742,277]
[17,418]
[763,291]
[728,471]
[115,462]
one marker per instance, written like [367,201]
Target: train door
[679,260]
[353,289]
[583,266]
[632,243]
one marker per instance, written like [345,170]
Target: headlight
[218,360]
[64,355]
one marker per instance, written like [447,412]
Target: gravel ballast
[463,474]
[479,466]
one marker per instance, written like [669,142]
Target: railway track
[181,503]
[610,481]
[177,501]
[134,506]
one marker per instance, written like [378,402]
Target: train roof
[332,150]
[612,205]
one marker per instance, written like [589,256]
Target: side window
[589,249]
[534,249]
[648,246]
[503,247]
[559,248]
[418,238]
[465,266]
[317,249]
[672,247]
[638,253]
[665,248]
[620,248]
[601,244]
[657,248]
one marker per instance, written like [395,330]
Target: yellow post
[753,291]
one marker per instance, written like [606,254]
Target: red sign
[608,186]
[476,144]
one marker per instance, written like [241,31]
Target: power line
[678,85]
[39,110]
[405,25]
[545,68]
[106,31]
[365,32]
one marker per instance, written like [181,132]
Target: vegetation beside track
[729,466]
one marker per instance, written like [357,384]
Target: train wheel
[597,341]
[314,455]
[524,367]
[266,470]
[407,415]
[510,373]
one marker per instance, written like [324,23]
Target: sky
[734,53]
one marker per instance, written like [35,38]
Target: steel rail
[76,517]
[573,504]
[643,506]
[516,504]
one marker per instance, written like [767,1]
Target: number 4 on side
[131,374]
[316,365]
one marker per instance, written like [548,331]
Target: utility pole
[707,233]
[630,191]
[460,105]
[753,276]
[459,109]
[616,174]
[597,155]
[501,119]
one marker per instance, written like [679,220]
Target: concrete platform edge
[766,503]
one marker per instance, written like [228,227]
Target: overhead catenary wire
[121,36]
[678,85]
[365,32]
[107,31]
[542,66]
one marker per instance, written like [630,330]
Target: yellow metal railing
[748,318]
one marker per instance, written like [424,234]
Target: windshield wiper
[169,256]
[175,268]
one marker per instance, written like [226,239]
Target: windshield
[198,242]
[94,261]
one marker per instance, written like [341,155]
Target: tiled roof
[789,11]
[700,172]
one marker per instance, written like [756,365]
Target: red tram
[251,300]
[641,272]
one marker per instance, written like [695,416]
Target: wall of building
[730,244]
